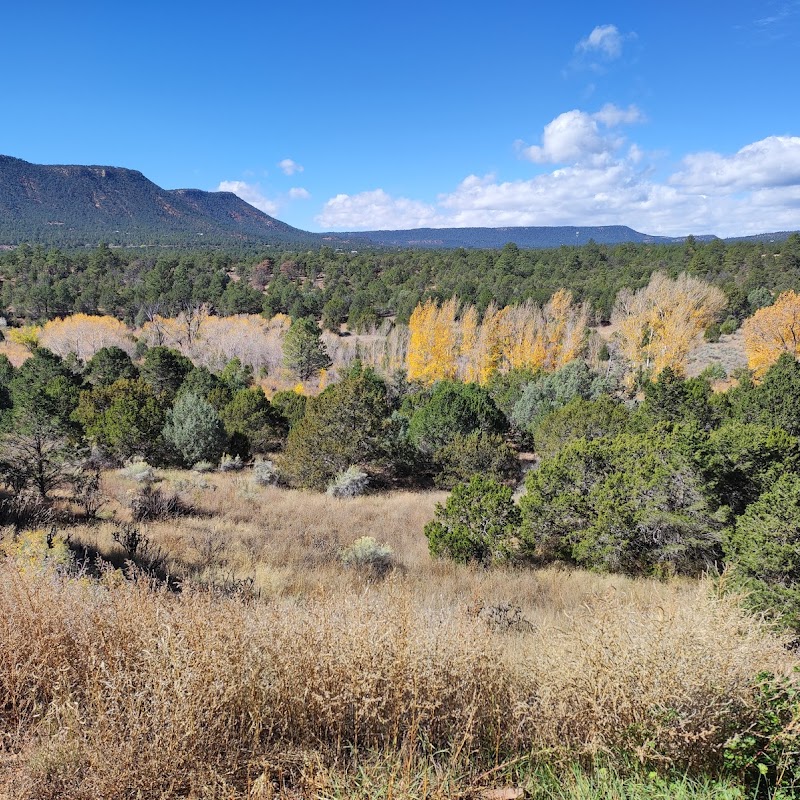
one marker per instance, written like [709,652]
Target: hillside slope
[72,204]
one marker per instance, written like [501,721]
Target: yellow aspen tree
[467,345]
[530,337]
[445,353]
[573,335]
[772,331]
[26,336]
[555,314]
[420,342]
[489,351]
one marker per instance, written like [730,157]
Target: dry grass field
[278,671]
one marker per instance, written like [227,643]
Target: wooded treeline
[362,288]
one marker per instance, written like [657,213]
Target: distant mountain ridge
[75,205]
[529,237]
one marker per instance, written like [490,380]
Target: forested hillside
[85,205]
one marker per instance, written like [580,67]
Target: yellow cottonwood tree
[468,342]
[772,331]
[432,353]
[526,336]
[658,324]
[84,335]
[420,342]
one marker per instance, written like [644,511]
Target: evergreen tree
[347,425]
[194,428]
[303,350]
[764,549]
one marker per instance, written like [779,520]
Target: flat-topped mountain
[542,236]
[73,205]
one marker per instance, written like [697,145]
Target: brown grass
[115,689]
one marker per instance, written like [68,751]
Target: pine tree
[303,350]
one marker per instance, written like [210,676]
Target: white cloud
[605,40]
[375,210]
[250,193]
[754,190]
[290,167]
[611,116]
[299,193]
[576,135]
[570,136]
[771,162]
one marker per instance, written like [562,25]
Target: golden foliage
[27,335]
[658,324]
[444,345]
[84,335]
[771,331]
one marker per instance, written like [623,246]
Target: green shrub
[630,503]
[349,423]
[764,550]
[478,523]
[124,419]
[452,408]
[472,454]
[289,406]
[764,754]
[550,391]
[579,419]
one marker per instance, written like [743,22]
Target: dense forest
[362,288]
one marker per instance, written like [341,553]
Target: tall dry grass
[324,681]
[124,690]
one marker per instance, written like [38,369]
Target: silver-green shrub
[350,483]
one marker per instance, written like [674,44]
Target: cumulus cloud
[250,193]
[299,193]
[604,39]
[771,162]
[754,190]
[289,167]
[375,210]
[577,135]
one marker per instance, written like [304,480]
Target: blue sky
[672,118]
